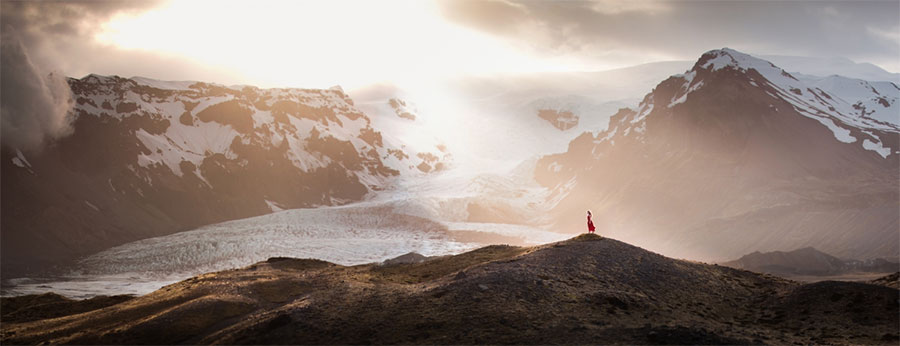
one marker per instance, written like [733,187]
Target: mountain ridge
[808,261]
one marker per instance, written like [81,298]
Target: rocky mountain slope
[808,261]
[561,119]
[148,158]
[584,290]
[737,155]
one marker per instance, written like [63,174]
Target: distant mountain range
[737,155]
[809,261]
[828,66]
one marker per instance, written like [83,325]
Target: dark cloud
[60,36]
[42,25]
[860,30]
[498,17]
[34,105]
[44,41]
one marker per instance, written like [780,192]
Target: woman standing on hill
[590,223]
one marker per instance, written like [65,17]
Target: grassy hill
[584,290]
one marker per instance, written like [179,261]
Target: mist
[36,103]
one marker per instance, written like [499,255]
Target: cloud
[497,17]
[42,26]
[891,35]
[35,99]
[45,41]
[618,6]
[627,33]
[35,105]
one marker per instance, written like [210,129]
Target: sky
[414,44]
[353,43]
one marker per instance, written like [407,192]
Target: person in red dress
[590,223]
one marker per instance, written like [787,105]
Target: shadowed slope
[584,290]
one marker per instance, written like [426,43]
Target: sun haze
[319,44]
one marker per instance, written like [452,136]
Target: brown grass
[442,266]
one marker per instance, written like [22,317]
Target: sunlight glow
[321,43]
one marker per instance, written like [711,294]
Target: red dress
[590,225]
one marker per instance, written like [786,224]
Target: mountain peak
[724,58]
[852,109]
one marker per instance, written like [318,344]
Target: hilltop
[584,290]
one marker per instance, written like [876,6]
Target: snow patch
[20,160]
[641,128]
[91,205]
[645,110]
[840,133]
[609,135]
[261,118]
[876,147]
[186,143]
[274,206]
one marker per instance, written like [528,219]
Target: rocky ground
[892,280]
[585,290]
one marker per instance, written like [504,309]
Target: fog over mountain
[357,172]
[737,155]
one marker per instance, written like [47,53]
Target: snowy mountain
[592,96]
[506,119]
[408,130]
[828,66]
[525,116]
[148,158]
[737,155]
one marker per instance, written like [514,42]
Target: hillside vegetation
[584,290]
